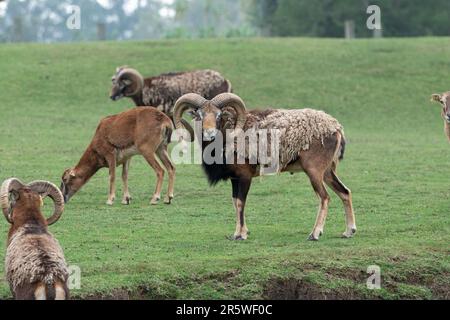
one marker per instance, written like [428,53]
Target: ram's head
[127,82]
[28,199]
[215,114]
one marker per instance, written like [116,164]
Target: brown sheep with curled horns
[163,91]
[35,265]
[310,141]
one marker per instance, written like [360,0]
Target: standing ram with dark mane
[164,90]
[310,141]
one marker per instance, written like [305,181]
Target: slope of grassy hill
[397,165]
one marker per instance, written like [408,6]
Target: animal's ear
[227,114]
[14,196]
[72,173]
[436,97]
[228,117]
[41,201]
[127,82]
[194,114]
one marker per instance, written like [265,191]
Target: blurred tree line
[211,18]
[326,18]
[45,20]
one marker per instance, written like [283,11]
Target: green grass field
[397,165]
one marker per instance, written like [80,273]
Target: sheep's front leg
[241,188]
[319,188]
[126,193]
[112,180]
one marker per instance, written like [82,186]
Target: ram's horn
[45,188]
[190,101]
[231,100]
[9,185]
[134,76]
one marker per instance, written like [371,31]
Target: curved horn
[189,128]
[8,186]
[45,188]
[234,101]
[125,73]
[189,101]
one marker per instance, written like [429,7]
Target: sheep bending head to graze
[309,141]
[139,131]
[163,91]
[35,265]
[444,100]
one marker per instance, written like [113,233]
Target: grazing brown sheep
[139,131]
[35,265]
[310,141]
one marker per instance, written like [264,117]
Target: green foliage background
[44,20]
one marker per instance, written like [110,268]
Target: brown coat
[139,131]
[35,265]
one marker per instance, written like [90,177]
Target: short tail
[342,148]
[167,134]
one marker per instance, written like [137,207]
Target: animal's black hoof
[127,201]
[235,238]
[312,238]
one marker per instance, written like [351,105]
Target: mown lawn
[397,165]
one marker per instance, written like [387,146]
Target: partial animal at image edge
[35,265]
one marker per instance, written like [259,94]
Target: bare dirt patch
[294,289]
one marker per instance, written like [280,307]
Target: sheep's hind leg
[235,186]
[40,292]
[345,194]
[318,185]
[126,192]
[149,155]
[165,159]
